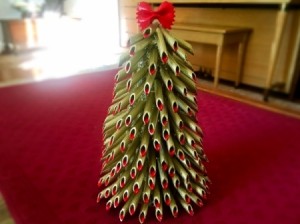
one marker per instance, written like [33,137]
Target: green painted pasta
[135,38]
[161,45]
[174,66]
[172,42]
[140,46]
[185,45]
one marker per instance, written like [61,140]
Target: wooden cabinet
[23,33]
[27,34]
[272,48]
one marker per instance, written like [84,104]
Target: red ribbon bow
[164,14]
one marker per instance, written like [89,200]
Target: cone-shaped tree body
[153,145]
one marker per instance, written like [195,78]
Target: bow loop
[164,14]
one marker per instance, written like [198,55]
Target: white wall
[7,12]
[100,17]
[72,8]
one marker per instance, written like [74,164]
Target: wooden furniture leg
[280,22]
[7,40]
[218,64]
[240,60]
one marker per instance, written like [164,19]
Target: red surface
[50,143]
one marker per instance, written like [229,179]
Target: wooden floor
[32,66]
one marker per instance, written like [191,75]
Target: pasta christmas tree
[153,145]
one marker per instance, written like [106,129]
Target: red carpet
[50,143]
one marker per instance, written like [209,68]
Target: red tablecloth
[50,143]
